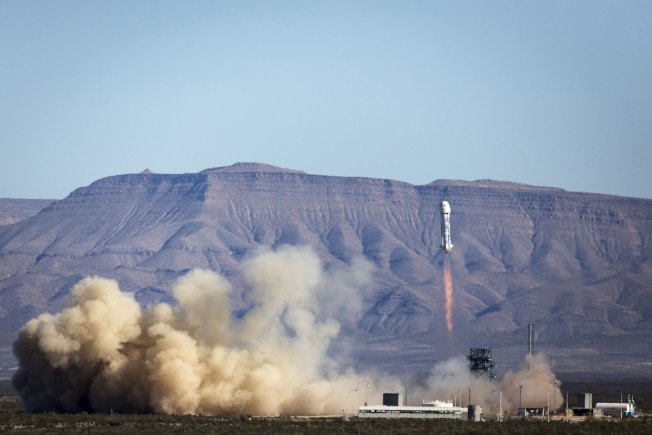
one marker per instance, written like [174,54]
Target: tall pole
[548,408]
[621,406]
[355,409]
[530,344]
[470,396]
[366,398]
[500,406]
[520,396]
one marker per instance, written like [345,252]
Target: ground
[13,419]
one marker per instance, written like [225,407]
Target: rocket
[446,244]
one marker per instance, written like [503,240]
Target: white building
[429,409]
[626,409]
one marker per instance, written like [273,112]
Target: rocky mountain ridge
[575,264]
[15,210]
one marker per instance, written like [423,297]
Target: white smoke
[103,352]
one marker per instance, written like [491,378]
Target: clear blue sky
[553,93]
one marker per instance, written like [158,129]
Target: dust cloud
[452,380]
[537,379]
[103,352]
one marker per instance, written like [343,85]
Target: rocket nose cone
[445,207]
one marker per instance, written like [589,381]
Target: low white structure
[429,409]
[627,408]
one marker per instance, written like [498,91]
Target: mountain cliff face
[576,265]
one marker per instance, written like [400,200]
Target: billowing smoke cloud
[451,380]
[103,352]
[536,379]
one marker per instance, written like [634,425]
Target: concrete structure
[584,405]
[475,413]
[391,399]
[585,400]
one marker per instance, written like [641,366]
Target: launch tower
[481,362]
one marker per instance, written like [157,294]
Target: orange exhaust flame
[448,288]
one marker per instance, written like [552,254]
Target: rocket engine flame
[448,289]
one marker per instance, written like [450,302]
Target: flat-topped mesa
[493,184]
[577,264]
[263,168]
[252,167]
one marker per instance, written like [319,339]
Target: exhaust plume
[103,352]
[448,288]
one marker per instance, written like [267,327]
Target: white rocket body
[446,244]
